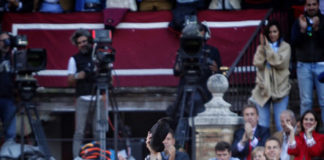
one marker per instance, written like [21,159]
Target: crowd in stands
[292,140]
[59,6]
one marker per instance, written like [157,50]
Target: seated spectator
[272,59]
[272,149]
[282,136]
[170,152]
[152,5]
[225,4]
[89,5]
[19,5]
[258,153]
[308,137]
[250,136]
[131,4]
[223,151]
[50,6]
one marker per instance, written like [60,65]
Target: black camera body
[25,62]
[192,58]
[103,54]
[30,60]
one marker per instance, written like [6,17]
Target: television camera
[103,55]
[192,58]
[25,62]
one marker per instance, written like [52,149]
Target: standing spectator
[282,136]
[223,151]
[19,5]
[252,135]
[272,149]
[7,107]
[80,75]
[308,137]
[272,78]
[307,38]
[258,153]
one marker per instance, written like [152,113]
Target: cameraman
[7,107]
[210,63]
[81,75]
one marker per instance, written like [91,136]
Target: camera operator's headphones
[207,30]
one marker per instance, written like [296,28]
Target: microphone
[321,77]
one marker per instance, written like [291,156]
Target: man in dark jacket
[307,40]
[250,136]
[7,107]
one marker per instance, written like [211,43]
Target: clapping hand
[263,40]
[248,131]
[310,130]
[289,126]
[302,23]
[316,22]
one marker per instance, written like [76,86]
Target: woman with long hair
[308,138]
[272,74]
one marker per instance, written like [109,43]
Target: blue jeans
[8,118]
[278,107]
[307,74]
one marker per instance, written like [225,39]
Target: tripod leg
[193,128]
[182,127]
[38,130]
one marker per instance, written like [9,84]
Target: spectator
[258,153]
[272,149]
[225,4]
[170,152]
[307,37]
[89,5]
[80,75]
[51,6]
[282,136]
[272,80]
[251,135]
[7,107]
[223,151]
[308,137]
[156,141]
[130,4]
[19,5]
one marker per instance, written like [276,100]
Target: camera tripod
[182,131]
[27,88]
[102,86]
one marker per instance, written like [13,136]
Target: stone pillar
[217,122]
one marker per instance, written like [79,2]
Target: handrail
[248,44]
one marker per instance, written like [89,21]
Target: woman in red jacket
[308,137]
